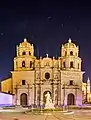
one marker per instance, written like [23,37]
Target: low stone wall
[84,107]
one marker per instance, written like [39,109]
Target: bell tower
[25,56]
[70,57]
[72,75]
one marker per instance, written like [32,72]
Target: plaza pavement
[74,115]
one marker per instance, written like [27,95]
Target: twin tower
[68,60]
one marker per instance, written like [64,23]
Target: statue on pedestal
[49,104]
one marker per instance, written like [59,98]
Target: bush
[44,110]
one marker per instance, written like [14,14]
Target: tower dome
[25,56]
[25,48]
[70,56]
[25,43]
[69,48]
[70,44]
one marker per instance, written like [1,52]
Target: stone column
[17,100]
[34,93]
[56,94]
[36,100]
[52,91]
[18,97]
[52,83]
[64,96]
[41,96]
[28,94]
[59,93]
[76,96]
[35,87]
[39,93]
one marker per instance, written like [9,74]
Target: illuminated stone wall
[6,85]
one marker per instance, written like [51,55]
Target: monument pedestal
[49,106]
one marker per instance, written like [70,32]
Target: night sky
[46,24]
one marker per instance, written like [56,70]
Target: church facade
[33,77]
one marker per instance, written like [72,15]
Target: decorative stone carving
[47,64]
[55,75]
[38,76]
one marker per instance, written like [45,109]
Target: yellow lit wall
[6,85]
[84,88]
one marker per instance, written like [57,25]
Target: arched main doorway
[44,98]
[23,99]
[71,99]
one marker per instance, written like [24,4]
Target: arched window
[24,53]
[47,75]
[23,82]
[29,53]
[78,65]
[23,64]
[63,64]
[71,52]
[71,82]
[65,53]
[30,64]
[71,64]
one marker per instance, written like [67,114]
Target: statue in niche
[55,63]
[56,91]
[38,76]
[47,64]
[55,76]
[38,64]
[48,97]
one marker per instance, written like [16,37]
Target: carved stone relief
[38,76]
[55,75]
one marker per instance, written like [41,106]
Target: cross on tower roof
[25,40]
[69,40]
[47,55]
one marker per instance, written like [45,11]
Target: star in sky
[1,33]
[62,25]
[49,17]
[70,17]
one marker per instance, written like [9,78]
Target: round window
[47,75]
